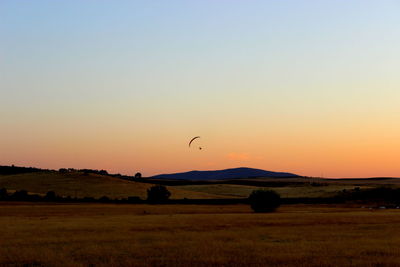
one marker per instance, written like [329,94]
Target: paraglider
[194,138]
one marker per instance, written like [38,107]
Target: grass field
[86,185]
[179,235]
[305,190]
[77,184]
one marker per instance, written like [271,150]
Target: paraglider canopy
[194,138]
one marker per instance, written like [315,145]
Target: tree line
[259,200]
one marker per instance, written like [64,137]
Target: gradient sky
[309,87]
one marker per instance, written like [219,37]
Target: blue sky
[300,74]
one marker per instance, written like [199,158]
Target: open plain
[43,234]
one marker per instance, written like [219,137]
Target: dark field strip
[196,235]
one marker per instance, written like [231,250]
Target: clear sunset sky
[309,87]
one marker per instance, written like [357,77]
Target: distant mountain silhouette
[225,174]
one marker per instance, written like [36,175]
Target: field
[190,235]
[51,234]
[243,191]
[86,185]
[76,184]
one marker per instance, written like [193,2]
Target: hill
[78,184]
[225,174]
[6,170]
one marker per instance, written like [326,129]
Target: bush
[3,193]
[264,200]
[104,199]
[103,172]
[379,194]
[20,195]
[88,199]
[134,199]
[63,170]
[158,194]
[138,175]
[50,196]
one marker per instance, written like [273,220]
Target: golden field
[81,185]
[292,187]
[243,191]
[196,235]
[77,184]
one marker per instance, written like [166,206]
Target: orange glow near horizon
[330,155]
[295,86]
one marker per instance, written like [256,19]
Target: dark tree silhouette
[158,194]
[138,175]
[103,172]
[134,199]
[3,193]
[20,195]
[50,196]
[17,170]
[264,200]
[104,199]
[63,170]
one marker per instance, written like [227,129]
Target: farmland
[107,234]
[182,235]
[77,184]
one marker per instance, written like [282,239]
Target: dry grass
[305,190]
[91,185]
[295,187]
[81,185]
[178,235]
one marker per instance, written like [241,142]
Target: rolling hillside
[80,184]
[86,185]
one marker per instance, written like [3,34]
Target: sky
[308,87]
